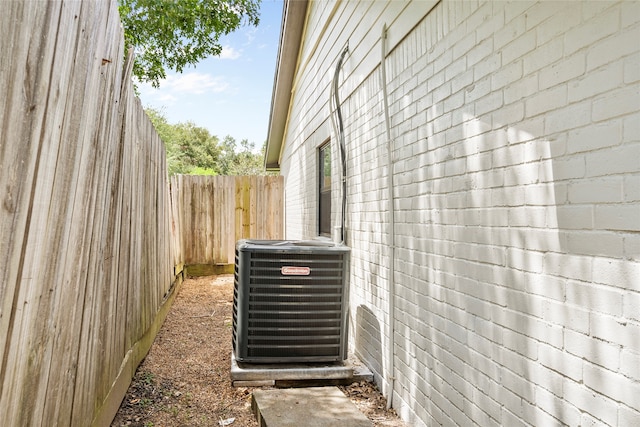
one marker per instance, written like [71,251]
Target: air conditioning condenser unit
[290,301]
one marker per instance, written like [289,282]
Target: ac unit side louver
[290,301]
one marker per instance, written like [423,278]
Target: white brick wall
[516,131]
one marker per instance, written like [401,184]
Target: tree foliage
[193,150]
[171,34]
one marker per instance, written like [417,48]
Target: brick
[622,274]
[613,48]
[632,247]
[595,136]
[487,66]
[557,407]
[560,361]
[601,80]
[572,317]
[540,12]
[558,24]
[509,32]
[562,71]
[480,51]
[613,385]
[595,243]
[520,89]
[618,217]
[615,331]
[600,407]
[601,26]
[630,13]
[547,100]
[630,364]
[597,190]
[595,351]
[519,47]
[631,128]
[617,103]
[622,159]
[543,56]
[569,117]
[628,416]
[506,75]
[575,217]
[545,286]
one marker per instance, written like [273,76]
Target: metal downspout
[391,223]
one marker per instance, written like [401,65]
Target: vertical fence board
[92,232]
[87,247]
[215,211]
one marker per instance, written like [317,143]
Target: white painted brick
[601,26]
[632,247]
[560,361]
[513,113]
[570,117]
[545,286]
[630,364]
[631,305]
[558,23]
[610,49]
[613,385]
[618,217]
[598,190]
[628,416]
[574,217]
[630,13]
[593,137]
[598,81]
[543,56]
[595,243]
[616,331]
[572,317]
[619,273]
[486,66]
[631,128]
[546,100]
[512,29]
[523,88]
[623,159]
[563,71]
[594,350]
[506,75]
[527,130]
[617,103]
[587,400]
[557,407]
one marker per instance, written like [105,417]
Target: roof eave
[293,18]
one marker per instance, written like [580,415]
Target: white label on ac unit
[295,271]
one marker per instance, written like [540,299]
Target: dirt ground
[185,378]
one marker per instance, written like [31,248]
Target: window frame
[324,184]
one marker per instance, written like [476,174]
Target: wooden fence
[86,252]
[214,212]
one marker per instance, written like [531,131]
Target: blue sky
[230,94]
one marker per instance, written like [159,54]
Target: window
[324,189]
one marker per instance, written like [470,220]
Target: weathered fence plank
[214,212]
[87,253]
[92,240]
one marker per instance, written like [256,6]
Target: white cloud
[229,53]
[194,83]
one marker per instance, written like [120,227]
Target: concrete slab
[271,374]
[309,407]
